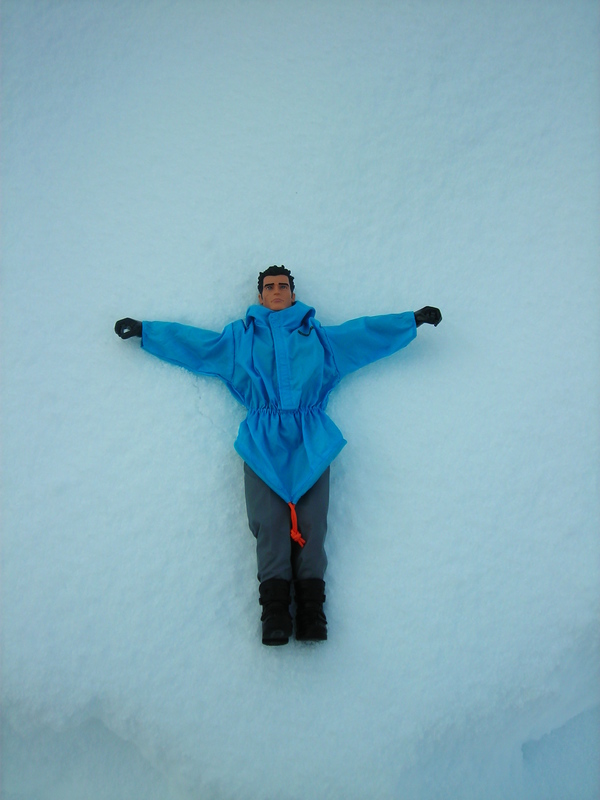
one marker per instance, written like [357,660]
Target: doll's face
[276,294]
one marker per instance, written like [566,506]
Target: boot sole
[315,637]
[276,642]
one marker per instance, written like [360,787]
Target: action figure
[282,364]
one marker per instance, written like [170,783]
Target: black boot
[276,620]
[311,624]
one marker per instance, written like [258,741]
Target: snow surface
[155,156]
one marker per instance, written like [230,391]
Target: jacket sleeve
[359,342]
[201,351]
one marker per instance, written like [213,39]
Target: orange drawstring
[295,533]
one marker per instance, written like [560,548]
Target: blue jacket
[282,365]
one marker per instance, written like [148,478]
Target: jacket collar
[296,316]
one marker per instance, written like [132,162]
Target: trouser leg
[270,522]
[310,561]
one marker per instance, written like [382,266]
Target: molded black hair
[275,270]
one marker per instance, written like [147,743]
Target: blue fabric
[282,365]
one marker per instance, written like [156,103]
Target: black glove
[428,314]
[126,328]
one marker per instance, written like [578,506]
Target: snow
[155,157]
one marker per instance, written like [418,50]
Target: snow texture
[155,156]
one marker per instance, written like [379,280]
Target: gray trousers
[269,518]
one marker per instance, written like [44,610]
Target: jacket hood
[296,316]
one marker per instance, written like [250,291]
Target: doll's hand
[428,314]
[126,328]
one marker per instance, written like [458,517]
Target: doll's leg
[268,518]
[310,562]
